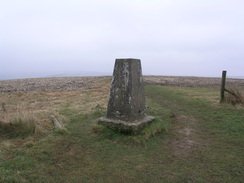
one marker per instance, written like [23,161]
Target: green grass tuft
[156,127]
[21,126]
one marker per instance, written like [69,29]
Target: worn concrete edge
[134,127]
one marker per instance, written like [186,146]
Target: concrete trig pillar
[127,106]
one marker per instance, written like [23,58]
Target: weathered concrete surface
[134,127]
[127,106]
[127,98]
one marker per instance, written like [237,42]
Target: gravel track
[81,83]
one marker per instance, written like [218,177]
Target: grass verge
[156,127]
[203,142]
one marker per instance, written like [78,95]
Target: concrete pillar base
[134,127]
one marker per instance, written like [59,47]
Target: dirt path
[184,128]
[184,141]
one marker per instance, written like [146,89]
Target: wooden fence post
[222,90]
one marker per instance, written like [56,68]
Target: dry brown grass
[40,105]
[20,125]
[234,96]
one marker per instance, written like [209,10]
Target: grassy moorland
[194,139]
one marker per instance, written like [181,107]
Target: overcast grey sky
[171,37]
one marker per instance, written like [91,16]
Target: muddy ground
[81,83]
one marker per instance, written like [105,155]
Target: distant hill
[4,76]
